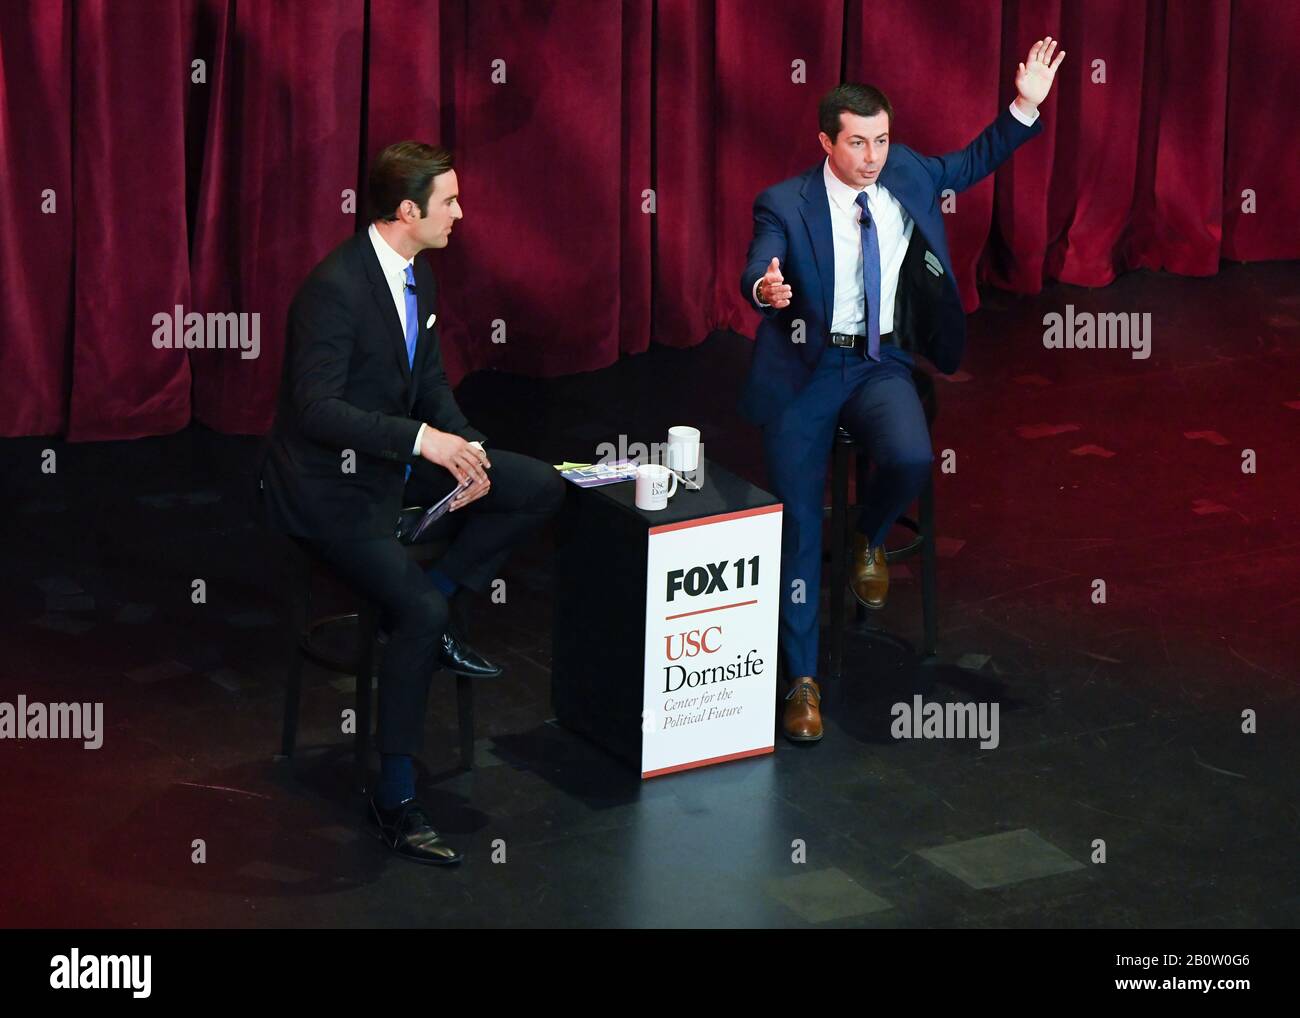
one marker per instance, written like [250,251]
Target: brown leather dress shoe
[802,719]
[869,576]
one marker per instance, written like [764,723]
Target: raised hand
[1035,76]
[772,289]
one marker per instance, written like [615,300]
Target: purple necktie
[870,276]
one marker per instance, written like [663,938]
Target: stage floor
[1119,722]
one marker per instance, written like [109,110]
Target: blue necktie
[412,327]
[870,276]
[412,316]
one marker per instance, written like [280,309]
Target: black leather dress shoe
[461,658]
[408,832]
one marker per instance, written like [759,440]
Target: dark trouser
[525,492]
[878,404]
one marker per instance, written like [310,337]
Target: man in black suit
[366,424]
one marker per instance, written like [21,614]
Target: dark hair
[864,100]
[401,171]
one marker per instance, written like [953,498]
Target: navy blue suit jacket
[792,222]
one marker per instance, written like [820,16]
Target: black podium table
[665,627]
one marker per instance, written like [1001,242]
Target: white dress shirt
[894,232]
[394,267]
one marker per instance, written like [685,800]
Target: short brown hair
[401,171]
[863,100]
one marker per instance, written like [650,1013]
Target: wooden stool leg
[839,537]
[367,627]
[465,719]
[929,613]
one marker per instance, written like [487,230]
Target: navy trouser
[525,492]
[877,403]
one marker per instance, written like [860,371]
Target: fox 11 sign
[710,640]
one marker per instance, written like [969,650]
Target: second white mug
[683,448]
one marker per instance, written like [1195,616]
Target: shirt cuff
[418,435]
[1025,119]
[755,293]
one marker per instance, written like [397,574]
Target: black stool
[304,630]
[922,529]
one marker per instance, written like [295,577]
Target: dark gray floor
[1119,723]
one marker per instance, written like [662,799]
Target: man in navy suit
[367,424]
[849,267]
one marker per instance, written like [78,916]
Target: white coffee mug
[655,485]
[683,448]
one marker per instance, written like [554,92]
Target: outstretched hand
[1035,76]
[772,287]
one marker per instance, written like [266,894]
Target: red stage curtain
[220,195]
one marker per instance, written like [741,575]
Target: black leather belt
[858,342]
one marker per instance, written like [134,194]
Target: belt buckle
[839,339]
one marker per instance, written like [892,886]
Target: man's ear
[827,144]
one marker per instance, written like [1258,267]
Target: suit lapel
[384,298]
[896,183]
[817,218]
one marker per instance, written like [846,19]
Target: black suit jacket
[347,386]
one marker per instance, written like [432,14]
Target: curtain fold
[36,208]
[131,260]
[283,146]
[608,155]
[532,281]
